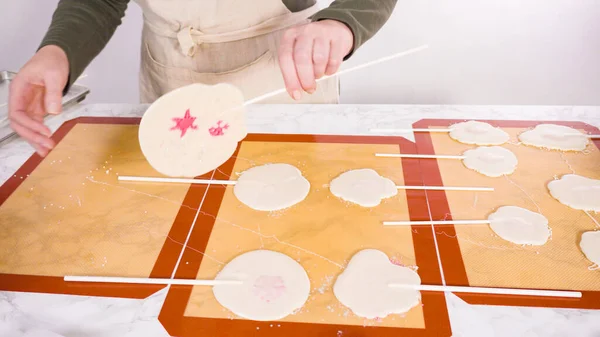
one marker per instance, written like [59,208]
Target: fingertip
[297,95]
[311,88]
[48,144]
[47,149]
[330,71]
[45,131]
[53,108]
[40,150]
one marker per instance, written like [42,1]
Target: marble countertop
[37,315]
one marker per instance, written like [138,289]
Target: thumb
[54,86]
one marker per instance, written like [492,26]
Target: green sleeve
[364,17]
[82,29]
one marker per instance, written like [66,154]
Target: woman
[257,45]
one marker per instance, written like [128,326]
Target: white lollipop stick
[408,130]
[421,156]
[176,180]
[583,134]
[586,135]
[341,72]
[444,222]
[500,291]
[446,188]
[135,280]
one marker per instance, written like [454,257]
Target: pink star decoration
[218,129]
[185,123]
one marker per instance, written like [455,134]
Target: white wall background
[543,52]
[112,76]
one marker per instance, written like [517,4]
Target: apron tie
[186,40]
[189,37]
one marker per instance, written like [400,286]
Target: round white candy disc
[576,192]
[479,133]
[492,161]
[364,286]
[520,226]
[274,286]
[364,187]
[193,130]
[271,187]
[555,137]
[590,246]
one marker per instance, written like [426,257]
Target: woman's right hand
[36,91]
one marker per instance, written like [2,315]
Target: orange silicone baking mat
[322,233]
[475,256]
[67,214]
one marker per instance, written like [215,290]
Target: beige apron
[219,41]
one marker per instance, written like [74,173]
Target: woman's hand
[34,92]
[308,52]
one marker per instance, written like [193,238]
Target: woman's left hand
[308,52]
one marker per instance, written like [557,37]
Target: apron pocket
[253,79]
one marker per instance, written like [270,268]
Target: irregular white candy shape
[590,246]
[576,192]
[364,286]
[520,226]
[274,286]
[193,130]
[271,187]
[555,137]
[479,133]
[363,186]
[492,161]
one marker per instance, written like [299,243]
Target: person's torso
[218,16]
[221,41]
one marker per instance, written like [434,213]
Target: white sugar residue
[262,243]
[91,179]
[593,219]
[526,194]
[562,156]
[325,285]
[475,199]
[196,250]
[274,237]
[260,235]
